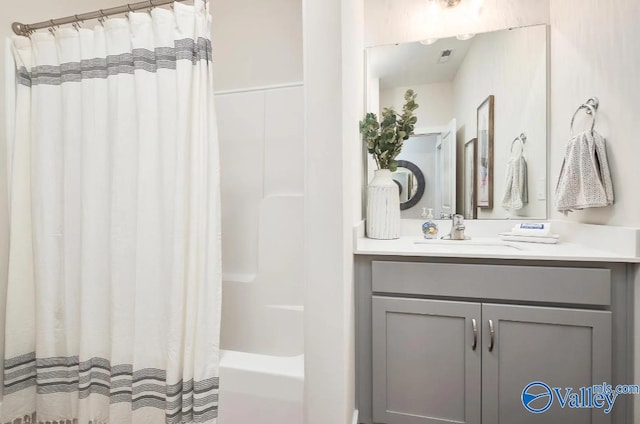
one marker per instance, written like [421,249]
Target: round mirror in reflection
[411,183]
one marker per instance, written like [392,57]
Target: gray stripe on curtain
[144,388]
[125,63]
[20,360]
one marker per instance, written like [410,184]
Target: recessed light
[428,41]
[449,3]
[465,37]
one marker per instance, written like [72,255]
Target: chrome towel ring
[591,108]
[522,138]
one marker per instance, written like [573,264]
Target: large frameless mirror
[480,143]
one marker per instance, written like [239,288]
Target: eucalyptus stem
[384,140]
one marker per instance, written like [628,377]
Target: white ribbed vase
[383,207]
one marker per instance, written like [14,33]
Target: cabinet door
[426,361]
[559,347]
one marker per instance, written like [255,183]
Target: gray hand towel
[516,193]
[585,179]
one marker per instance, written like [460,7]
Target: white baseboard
[355,417]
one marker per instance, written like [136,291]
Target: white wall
[594,52]
[334,94]
[353,109]
[435,100]
[257,42]
[393,21]
[262,151]
[511,65]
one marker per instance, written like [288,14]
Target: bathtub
[261,365]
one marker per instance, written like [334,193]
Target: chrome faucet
[457,228]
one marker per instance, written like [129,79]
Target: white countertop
[486,248]
[618,245]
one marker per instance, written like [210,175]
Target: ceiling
[406,64]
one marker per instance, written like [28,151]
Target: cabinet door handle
[492,334]
[474,324]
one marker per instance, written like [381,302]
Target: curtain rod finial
[20,29]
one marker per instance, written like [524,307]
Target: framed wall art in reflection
[484,157]
[469,176]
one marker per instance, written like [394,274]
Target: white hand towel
[585,179]
[516,193]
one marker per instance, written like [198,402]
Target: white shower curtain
[113,308]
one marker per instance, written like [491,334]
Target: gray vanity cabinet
[448,342]
[426,361]
[428,356]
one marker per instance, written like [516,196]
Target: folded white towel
[585,179]
[550,239]
[516,193]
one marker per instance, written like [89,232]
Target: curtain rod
[26,30]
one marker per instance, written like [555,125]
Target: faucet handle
[458,220]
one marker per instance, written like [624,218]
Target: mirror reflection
[411,183]
[477,98]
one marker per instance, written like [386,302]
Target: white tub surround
[261,389]
[262,378]
[578,242]
[262,362]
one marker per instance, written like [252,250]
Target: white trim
[355,417]
[238,278]
[259,88]
[429,131]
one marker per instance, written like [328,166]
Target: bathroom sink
[471,246]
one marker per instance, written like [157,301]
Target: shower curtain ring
[52,27]
[102,17]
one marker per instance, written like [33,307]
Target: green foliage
[384,140]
